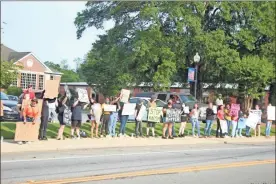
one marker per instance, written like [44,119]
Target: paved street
[216,163]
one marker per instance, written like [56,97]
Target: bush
[16,91]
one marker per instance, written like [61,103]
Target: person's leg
[228,127]
[173,130]
[97,129]
[255,131]
[234,126]
[165,127]
[193,126]
[153,129]
[198,127]
[180,129]
[126,119]
[141,128]
[268,128]
[259,130]
[78,129]
[148,129]
[73,127]
[107,125]
[170,126]
[207,127]
[136,127]
[110,126]
[183,130]
[247,131]
[92,128]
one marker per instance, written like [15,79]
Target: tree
[67,74]
[156,41]
[9,72]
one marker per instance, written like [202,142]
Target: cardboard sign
[1,108]
[125,95]
[154,114]
[26,102]
[186,110]
[252,120]
[67,115]
[173,115]
[109,108]
[235,108]
[83,95]
[129,109]
[67,91]
[51,89]
[223,125]
[242,123]
[215,109]
[258,113]
[26,132]
[141,113]
[271,113]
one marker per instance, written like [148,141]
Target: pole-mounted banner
[191,75]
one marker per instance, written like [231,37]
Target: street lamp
[196,60]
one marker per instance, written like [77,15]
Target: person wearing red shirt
[29,93]
[220,116]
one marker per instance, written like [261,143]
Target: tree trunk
[248,100]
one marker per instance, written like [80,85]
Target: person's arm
[76,103]
[25,114]
[116,100]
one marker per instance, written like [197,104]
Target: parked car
[185,98]
[10,108]
[146,101]
[13,98]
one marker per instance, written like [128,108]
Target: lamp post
[196,60]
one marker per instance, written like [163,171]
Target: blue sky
[47,29]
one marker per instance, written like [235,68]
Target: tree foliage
[156,41]
[9,73]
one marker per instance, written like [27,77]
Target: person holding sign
[76,117]
[167,125]
[96,112]
[220,121]
[194,118]
[258,126]
[210,116]
[151,124]
[63,102]
[241,123]
[270,115]
[227,116]
[123,119]
[184,118]
[114,117]
[138,120]
[105,118]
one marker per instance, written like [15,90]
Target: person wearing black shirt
[184,118]
[210,116]
[138,125]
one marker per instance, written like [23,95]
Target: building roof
[5,52]
[15,56]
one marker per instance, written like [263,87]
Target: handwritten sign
[252,120]
[215,109]
[83,95]
[154,114]
[26,132]
[51,89]
[186,110]
[109,108]
[223,125]
[258,113]
[125,95]
[173,115]
[67,115]
[129,109]
[271,113]
[141,113]
[235,108]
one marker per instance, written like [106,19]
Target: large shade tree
[156,41]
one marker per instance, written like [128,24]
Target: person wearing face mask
[184,118]
[105,118]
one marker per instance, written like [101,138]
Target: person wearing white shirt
[219,100]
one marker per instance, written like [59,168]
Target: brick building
[34,71]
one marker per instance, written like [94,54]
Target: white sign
[141,113]
[186,110]
[223,125]
[83,95]
[215,109]
[129,109]
[125,95]
[109,108]
[252,120]
[258,113]
[271,113]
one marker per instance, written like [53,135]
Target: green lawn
[8,129]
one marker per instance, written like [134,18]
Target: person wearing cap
[138,122]
[151,125]
[219,100]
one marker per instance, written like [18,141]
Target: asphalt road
[216,163]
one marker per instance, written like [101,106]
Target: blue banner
[242,123]
[191,75]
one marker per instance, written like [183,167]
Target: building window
[28,78]
[14,82]
[51,77]
[41,82]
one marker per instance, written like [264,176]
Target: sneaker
[120,135]
[20,142]
[45,139]
[73,137]
[78,137]
[164,137]
[171,137]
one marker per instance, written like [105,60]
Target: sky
[47,29]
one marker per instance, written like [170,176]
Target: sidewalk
[9,146]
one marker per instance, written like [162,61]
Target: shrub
[13,90]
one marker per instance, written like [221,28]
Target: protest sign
[271,113]
[129,109]
[109,108]
[154,114]
[258,113]
[125,95]
[67,115]
[141,113]
[252,120]
[51,89]
[223,125]
[191,74]
[241,123]
[186,110]
[26,132]
[83,95]
[173,115]
[235,108]
[215,109]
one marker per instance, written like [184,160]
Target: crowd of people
[103,123]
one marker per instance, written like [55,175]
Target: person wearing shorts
[151,124]
[167,125]
[96,112]
[63,102]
